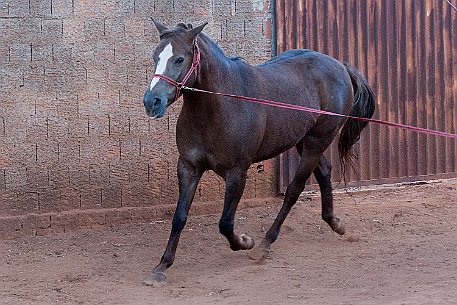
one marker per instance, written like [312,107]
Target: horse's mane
[213,44]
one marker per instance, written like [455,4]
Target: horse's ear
[160,27]
[195,31]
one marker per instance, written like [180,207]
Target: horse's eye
[179,61]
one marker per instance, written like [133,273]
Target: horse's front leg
[188,176]
[235,181]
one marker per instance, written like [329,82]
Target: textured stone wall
[76,148]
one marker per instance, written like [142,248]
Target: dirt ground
[400,248]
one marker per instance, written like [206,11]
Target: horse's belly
[281,138]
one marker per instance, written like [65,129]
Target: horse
[216,133]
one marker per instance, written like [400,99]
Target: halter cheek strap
[192,69]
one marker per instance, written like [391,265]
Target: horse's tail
[364,107]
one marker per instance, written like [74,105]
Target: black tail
[364,107]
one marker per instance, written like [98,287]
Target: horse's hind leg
[322,172]
[309,160]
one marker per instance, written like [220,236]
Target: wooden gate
[408,52]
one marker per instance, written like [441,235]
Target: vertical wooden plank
[411,44]
[385,82]
[450,47]
[362,146]
[382,92]
[303,34]
[439,109]
[392,92]
[373,130]
[421,92]
[333,28]
[453,84]
[402,72]
[314,26]
[430,69]
[280,26]
[292,25]
[342,30]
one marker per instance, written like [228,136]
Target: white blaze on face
[164,56]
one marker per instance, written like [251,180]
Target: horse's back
[303,73]
[314,63]
[290,54]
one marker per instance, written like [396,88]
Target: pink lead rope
[318,111]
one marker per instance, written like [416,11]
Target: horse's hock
[76,148]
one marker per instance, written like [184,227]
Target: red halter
[192,69]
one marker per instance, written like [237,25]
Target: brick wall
[76,148]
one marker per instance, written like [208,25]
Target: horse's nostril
[157,101]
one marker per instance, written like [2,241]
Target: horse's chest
[217,154]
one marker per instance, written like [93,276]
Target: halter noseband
[192,69]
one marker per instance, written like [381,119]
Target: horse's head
[174,60]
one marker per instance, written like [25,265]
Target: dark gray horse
[220,134]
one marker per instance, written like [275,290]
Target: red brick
[20,52]
[73,29]
[70,198]
[41,8]
[66,221]
[92,8]
[91,198]
[93,29]
[28,201]
[92,218]
[143,214]
[49,201]
[165,211]
[62,52]
[4,54]
[62,8]
[4,10]
[34,222]
[111,197]
[11,227]
[118,216]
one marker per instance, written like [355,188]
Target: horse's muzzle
[154,105]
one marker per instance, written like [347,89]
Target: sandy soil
[400,248]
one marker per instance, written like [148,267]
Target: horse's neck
[217,70]
[217,73]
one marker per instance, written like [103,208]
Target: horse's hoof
[339,227]
[248,242]
[156,279]
[260,253]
